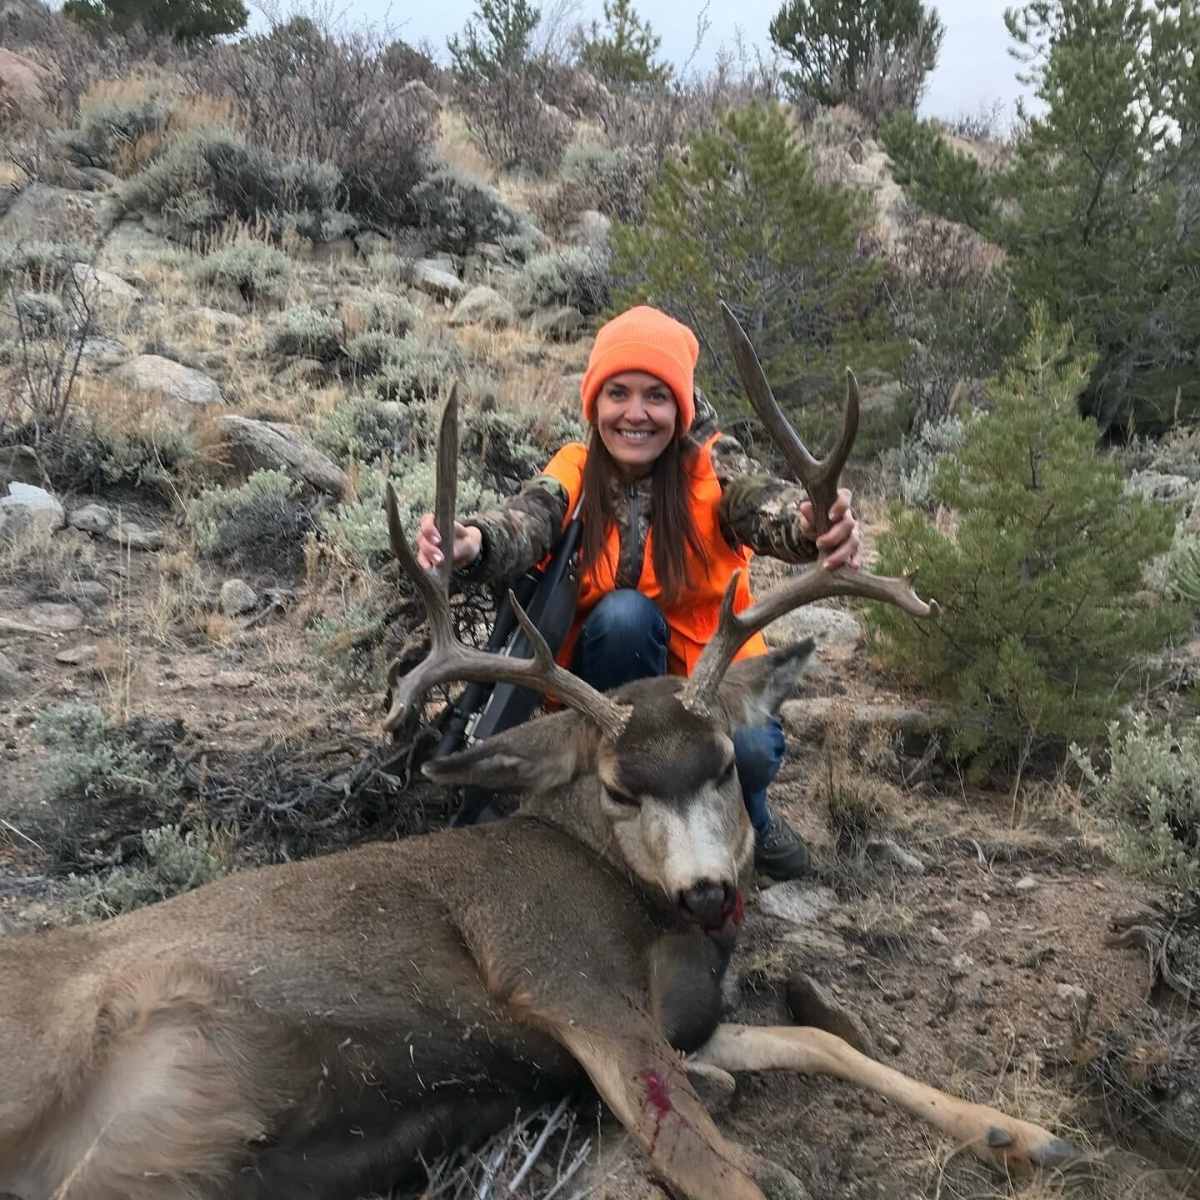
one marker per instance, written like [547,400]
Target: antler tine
[820,478]
[448,660]
[735,629]
[540,673]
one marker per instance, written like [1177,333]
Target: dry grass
[456,149]
[47,561]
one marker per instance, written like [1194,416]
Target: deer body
[230,1030]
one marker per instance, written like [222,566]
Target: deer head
[646,773]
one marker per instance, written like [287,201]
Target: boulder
[807,719]
[92,518]
[486,307]
[27,506]
[1164,489]
[104,352]
[23,82]
[434,278]
[237,597]
[558,324]
[132,536]
[837,633]
[262,445]
[46,213]
[187,390]
[103,290]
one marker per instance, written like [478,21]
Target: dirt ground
[989,974]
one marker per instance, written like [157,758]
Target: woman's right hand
[468,542]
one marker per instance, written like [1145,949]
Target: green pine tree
[1042,613]
[623,51]
[744,218]
[495,42]
[835,42]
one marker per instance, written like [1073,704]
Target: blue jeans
[625,638]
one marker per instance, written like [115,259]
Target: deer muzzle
[711,905]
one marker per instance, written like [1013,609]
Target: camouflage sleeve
[519,534]
[757,509]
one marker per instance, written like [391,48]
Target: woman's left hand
[841,543]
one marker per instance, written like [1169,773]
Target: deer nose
[707,903]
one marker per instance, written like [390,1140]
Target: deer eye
[727,774]
[622,799]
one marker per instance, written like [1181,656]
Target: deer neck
[575,810]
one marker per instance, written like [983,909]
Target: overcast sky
[975,68]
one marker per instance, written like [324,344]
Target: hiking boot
[779,852]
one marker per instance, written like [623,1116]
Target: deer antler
[448,659]
[820,480]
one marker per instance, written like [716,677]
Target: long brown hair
[670,512]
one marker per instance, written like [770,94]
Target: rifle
[547,593]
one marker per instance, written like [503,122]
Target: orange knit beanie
[644,339]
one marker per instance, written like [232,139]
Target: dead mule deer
[311,1030]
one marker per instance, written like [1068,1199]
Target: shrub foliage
[1041,616]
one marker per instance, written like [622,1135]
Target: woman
[671,508]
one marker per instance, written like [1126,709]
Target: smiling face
[635,417]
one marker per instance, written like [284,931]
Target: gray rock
[103,289]
[92,518]
[1026,884]
[961,965]
[46,213]
[558,324]
[77,656]
[187,389]
[19,464]
[59,618]
[234,679]
[836,631]
[257,445]
[936,936]
[798,903]
[28,506]
[884,850]
[591,228]
[980,922]
[490,252]
[811,1004]
[1165,489]
[370,243]
[808,718]
[484,306]
[103,351]
[237,597]
[134,536]
[89,592]
[435,279]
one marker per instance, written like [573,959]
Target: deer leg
[644,1082]
[1013,1145]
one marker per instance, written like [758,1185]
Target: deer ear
[535,757]
[754,688]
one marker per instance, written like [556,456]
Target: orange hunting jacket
[692,620]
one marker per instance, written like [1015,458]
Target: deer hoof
[1056,1154]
